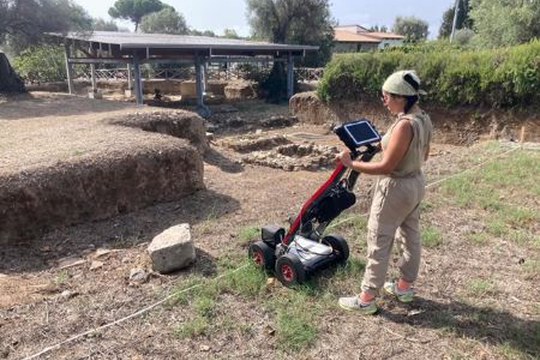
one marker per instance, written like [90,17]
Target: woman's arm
[397,148]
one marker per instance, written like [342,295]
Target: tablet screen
[361,132]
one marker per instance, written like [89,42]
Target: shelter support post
[93,77]
[69,68]
[290,76]
[138,83]
[129,79]
[202,109]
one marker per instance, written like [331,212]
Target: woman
[400,189]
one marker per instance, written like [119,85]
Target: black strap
[410,80]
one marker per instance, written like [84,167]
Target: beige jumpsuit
[395,209]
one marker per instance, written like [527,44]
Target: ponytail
[411,101]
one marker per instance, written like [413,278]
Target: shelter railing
[213,72]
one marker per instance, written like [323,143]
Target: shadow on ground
[227,165]
[121,232]
[483,324]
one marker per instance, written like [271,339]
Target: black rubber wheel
[289,270]
[262,254]
[340,246]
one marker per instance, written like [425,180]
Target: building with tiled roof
[356,38]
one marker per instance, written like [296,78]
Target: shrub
[506,77]
[41,64]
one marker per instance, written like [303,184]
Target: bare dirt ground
[75,279]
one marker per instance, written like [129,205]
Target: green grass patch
[354,268]
[354,225]
[431,237]
[497,227]
[62,277]
[248,234]
[480,288]
[502,189]
[196,327]
[479,238]
[296,321]
[250,281]
[205,306]
[508,352]
[426,207]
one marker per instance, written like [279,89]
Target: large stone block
[172,249]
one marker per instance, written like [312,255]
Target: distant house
[356,38]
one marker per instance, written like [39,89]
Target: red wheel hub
[258,258]
[288,272]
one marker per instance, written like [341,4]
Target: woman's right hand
[345,158]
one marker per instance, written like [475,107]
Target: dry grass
[478,295]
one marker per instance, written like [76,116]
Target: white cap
[404,82]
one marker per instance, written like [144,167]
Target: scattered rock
[67,294]
[96,265]
[172,249]
[270,331]
[252,143]
[138,276]
[70,262]
[271,282]
[415,312]
[295,157]
[204,348]
[279,121]
[101,252]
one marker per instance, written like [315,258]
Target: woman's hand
[345,158]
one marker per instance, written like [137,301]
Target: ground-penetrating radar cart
[300,252]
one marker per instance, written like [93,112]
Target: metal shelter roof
[123,43]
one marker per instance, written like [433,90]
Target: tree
[378,28]
[505,22]
[295,22]
[463,19]
[208,33]
[290,21]
[464,36]
[24,23]
[230,34]
[103,25]
[414,29]
[134,10]
[166,21]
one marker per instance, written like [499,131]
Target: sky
[217,15]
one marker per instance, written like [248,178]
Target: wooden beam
[98,61]
[241,60]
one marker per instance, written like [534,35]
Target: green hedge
[506,77]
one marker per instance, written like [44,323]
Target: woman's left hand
[345,158]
